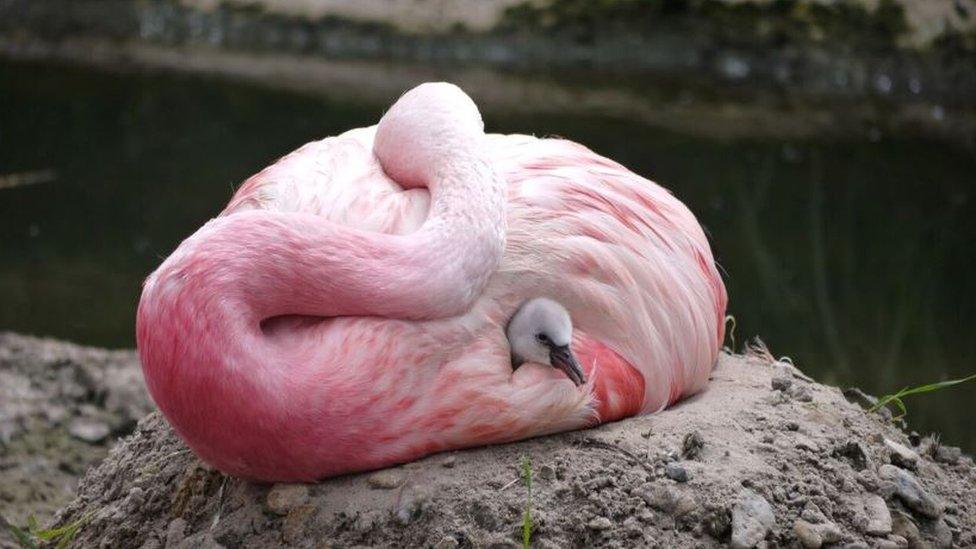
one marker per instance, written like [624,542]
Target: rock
[947,454]
[752,518]
[676,472]
[903,526]
[814,536]
[410,505]
[293,527]
[859,397]
[483,515]
[879,518]
[499,542]
[806,443]
[907,488]
[854,453]
[717,522]
[598,483]
[692,445]
[599,524]
[547,472]
[812,514]
[387,479]
[782,383]
[175,532]
[914,438]
[667,499]
[446,542]
[200,540]
[88,429]
[901,455]
[939,532]
[449,463]
[802,393]
[807,535]
[282,498]
[891,542]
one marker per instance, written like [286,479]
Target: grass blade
[896,398]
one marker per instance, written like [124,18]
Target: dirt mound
[764,457]
[61,407]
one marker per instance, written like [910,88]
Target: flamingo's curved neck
[259,264]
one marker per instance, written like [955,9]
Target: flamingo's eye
[542,338]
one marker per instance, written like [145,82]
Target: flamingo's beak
[562,357]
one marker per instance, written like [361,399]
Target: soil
[61,407]
[764,457]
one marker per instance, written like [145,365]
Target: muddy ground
[764,457]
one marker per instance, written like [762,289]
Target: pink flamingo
[363,301]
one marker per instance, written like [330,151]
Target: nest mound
[764,457]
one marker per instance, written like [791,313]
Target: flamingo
[419,286]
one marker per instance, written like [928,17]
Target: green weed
[896,398]
[35,535]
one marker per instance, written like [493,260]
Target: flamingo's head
[541,331]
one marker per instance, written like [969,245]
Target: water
[854,257]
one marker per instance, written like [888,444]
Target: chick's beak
[562,357]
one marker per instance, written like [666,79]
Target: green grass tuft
[896,398]
[34,535]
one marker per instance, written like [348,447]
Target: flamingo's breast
[618,386]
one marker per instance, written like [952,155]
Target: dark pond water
[855,258]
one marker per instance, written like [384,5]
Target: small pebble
[599,524]
[449,463]
[175,532]
[446,542]
[782,383]
[752,518]
[911,493]
[385,480]
[904,527]
[947,454]
[88,429]
[879,518]
[814,536]
[676,472]
[293,527]
[803,394]
[282,498]
[717,523]
[901,455]
[547,472]
[692,445]
[914,438]
[411,506]
[812,514]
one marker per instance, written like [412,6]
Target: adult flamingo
[348,309]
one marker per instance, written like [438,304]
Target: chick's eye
[542,338]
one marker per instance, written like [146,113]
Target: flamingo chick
[541,331]
[362,302]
